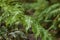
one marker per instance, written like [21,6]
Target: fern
[13,13]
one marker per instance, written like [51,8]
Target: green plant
[13,12]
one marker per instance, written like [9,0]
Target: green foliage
[12,11]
